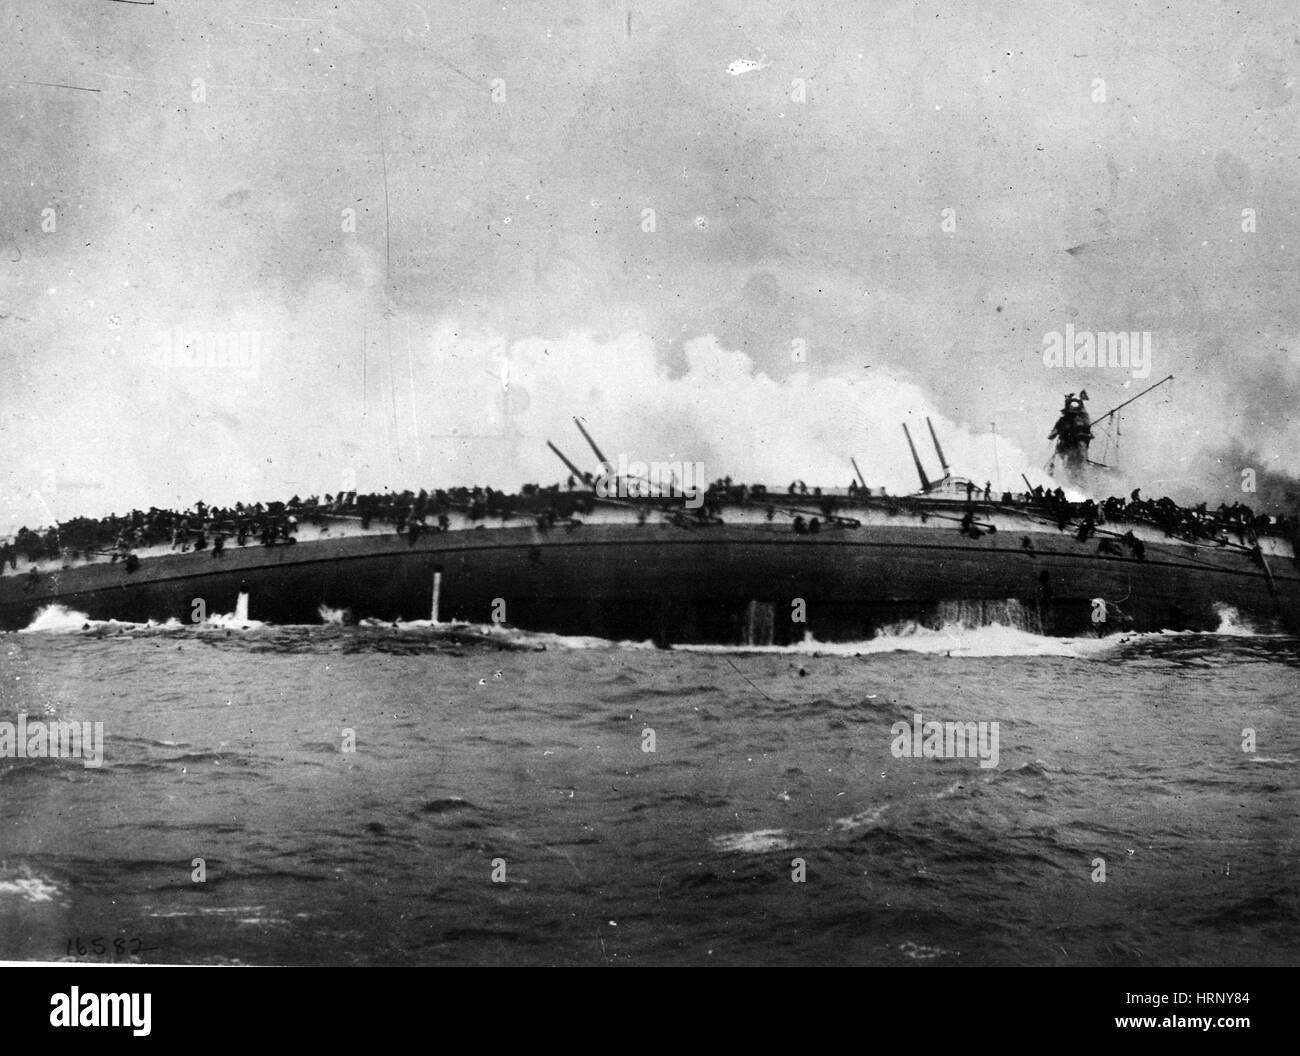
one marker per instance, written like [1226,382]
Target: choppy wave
[864,819]
[578,642]
[228,621]
[991,640]
[58,619]
[914,951]
[516,635]
[1234,625]
[542,764]
[336,625]
[27,886]
[753,842]
[493,632]
[950,640]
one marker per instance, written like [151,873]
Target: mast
[997,469]
[920,471]
[1139,396]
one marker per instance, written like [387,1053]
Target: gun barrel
[938,450]
[587,436]
[572,468]
[861,479]
[920,470]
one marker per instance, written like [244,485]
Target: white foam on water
[864,819]
[58,619]
[515,635]
[753,842]
[253,914]
[579,642]
[950,640]
[230,622]
[371,621]
[914,951]
[991,640]
[30,889]
[1233,624]
[954,639]
[234,621]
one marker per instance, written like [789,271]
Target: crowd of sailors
[1188,522]
[212,528]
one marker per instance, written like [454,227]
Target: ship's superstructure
[1073,434]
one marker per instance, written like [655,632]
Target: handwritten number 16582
[98,946]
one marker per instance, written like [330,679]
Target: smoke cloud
[447,236]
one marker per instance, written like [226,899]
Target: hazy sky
[793,297]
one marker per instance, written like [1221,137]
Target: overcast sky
[795,294]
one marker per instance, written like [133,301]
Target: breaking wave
[953,639]
[25,885]
[58,619]
[752,842]
[1232,623]
[228,621]
[503,633]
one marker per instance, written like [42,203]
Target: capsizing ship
[750,566]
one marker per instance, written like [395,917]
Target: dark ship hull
[745,583]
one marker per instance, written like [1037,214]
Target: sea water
[384,795]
